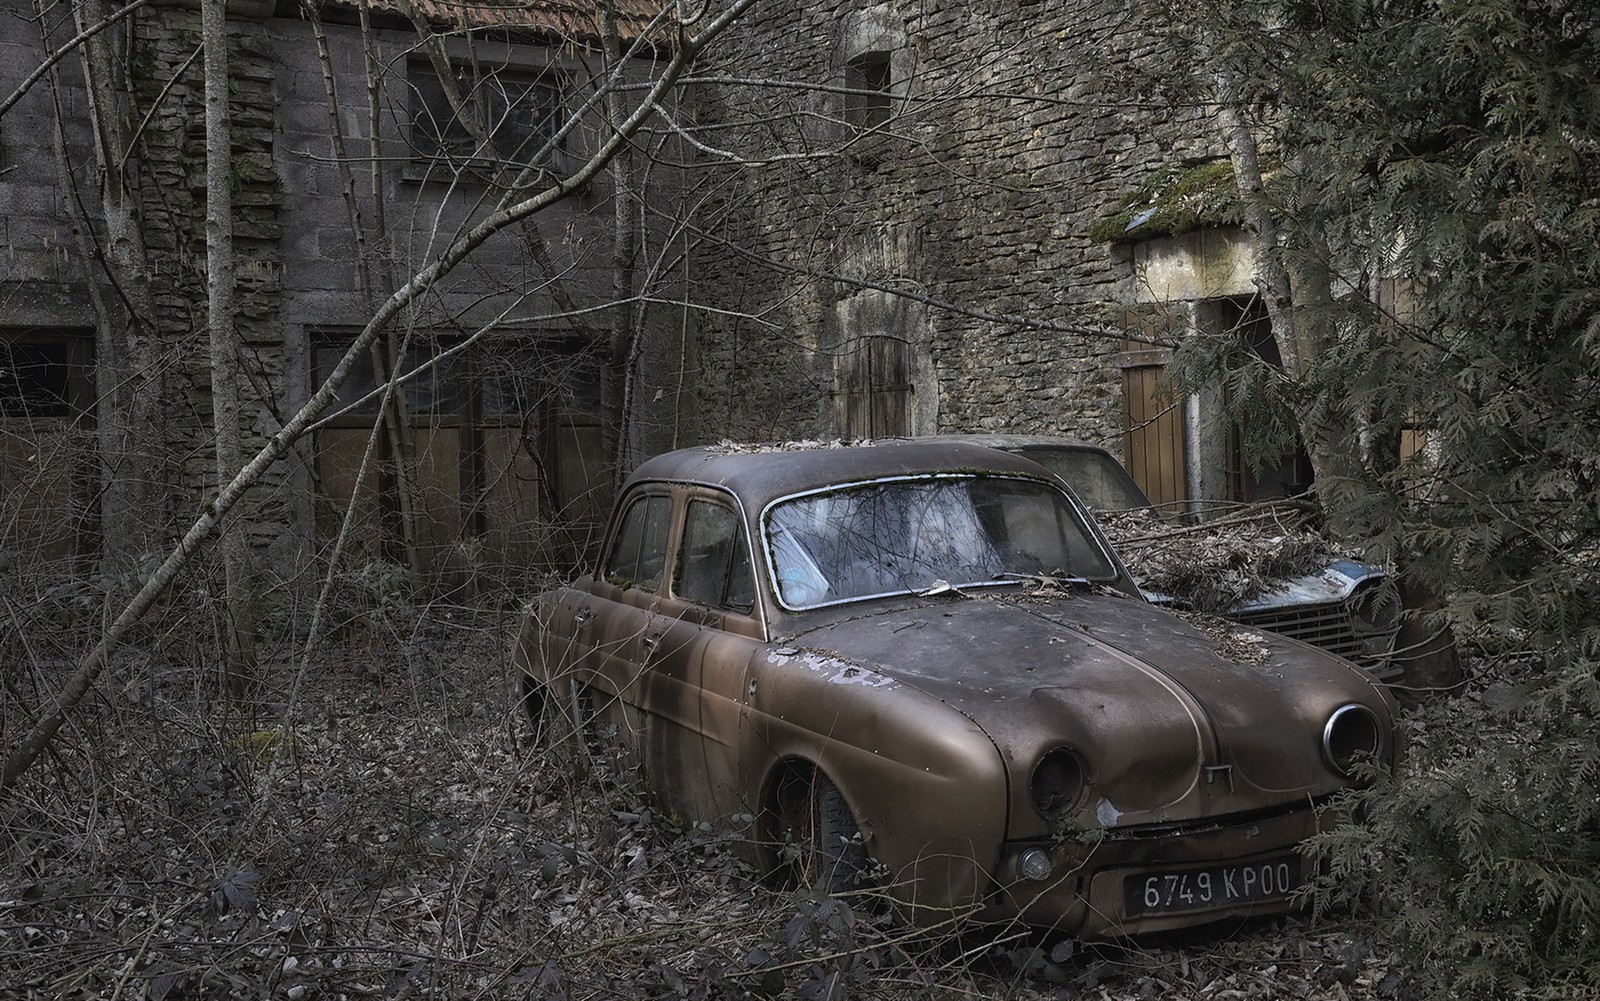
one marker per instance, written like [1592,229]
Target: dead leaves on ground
[411,845]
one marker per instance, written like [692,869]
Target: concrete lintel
[1203,264]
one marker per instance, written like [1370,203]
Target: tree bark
[238,630]
[622,353]
[135,466]
[1272,274]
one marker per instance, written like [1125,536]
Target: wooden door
[1153,426]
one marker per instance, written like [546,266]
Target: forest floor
[393,834]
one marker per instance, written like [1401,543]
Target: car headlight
[1058,782]
[1351,734]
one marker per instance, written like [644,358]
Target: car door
[697,644]
[610,621]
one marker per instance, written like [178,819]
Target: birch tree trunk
[239,627]
[133,464]
[1297,289]
[622,353]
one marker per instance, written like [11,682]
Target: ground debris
[417,845]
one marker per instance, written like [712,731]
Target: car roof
[759,474]
[1013,441]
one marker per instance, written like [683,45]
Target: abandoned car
[1344,605]
[921,668]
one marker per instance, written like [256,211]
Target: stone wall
[42,273]
[172,148]
[1012,131]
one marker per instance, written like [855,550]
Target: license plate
[1211,886]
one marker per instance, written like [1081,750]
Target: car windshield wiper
[1043,578]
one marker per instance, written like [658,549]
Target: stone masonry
[1012,129]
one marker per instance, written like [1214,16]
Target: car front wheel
[831,857]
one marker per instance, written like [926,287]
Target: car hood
[1171,729]
[1333,583]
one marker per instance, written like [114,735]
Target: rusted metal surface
[1197,774]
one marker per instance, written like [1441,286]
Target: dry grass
[396,838]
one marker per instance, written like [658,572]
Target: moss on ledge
[1174,200]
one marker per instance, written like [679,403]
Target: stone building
[864,220]
[910,233]
[351,168]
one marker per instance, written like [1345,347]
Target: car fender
[926,785]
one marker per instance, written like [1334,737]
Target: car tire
[836,860]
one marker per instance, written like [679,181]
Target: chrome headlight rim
[1058,782]
[1353,732]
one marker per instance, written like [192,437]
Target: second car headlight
[1058,782]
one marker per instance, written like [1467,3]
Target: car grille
[1326,626]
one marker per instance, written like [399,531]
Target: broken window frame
[869,82]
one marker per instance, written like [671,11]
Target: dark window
[867,78]
[35,379]
[49,469]
[514,111]
[1260,477]
[640,552]
[713,561]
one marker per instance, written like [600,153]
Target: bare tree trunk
[388,358]
[239,629]
[617,400]
[393,422]
[1299,299]
[1272,272]
[133,511]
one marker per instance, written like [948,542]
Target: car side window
[640,552]
[713,565]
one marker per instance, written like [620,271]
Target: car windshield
[909,535]
[1097,478]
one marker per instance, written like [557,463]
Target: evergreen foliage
[1441,168]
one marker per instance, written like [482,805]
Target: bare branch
[65,50]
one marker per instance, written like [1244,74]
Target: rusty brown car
[920,667]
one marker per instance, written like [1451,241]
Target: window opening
[1288,474]
[869,80]
[505,440]
[49,466]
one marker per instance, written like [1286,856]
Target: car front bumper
[1193,874]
